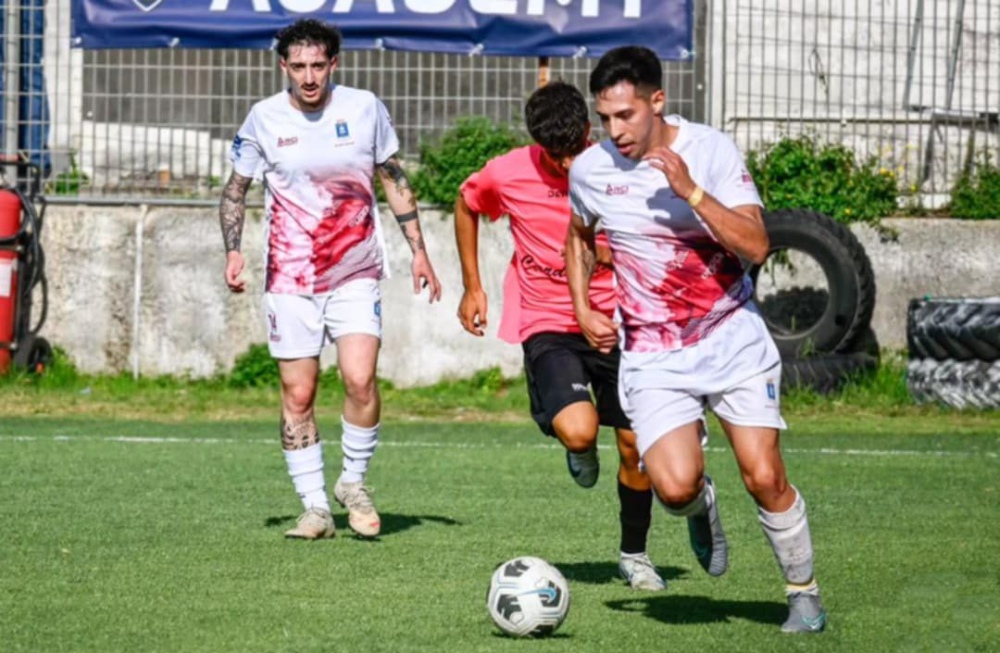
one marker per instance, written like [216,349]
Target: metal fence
[915,83]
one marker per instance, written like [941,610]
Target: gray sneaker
[708,540]
[805,614]
[361,514]
[640,573]
[313,524]
[584,467]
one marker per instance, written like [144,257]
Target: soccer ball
[528,597]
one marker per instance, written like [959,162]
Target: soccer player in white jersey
[680,211]
[317,147]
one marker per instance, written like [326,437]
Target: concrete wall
[142,291]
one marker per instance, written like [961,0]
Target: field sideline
[140,535]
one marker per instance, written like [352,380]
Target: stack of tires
[954,347]
[824,335]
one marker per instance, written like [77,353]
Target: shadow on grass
[675,609]
[391,522]
[598,573]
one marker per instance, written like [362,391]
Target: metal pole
[911,54]
[11,75]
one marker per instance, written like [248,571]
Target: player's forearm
[232,211]
[402,202]
[467,241]
[580,261]
[740,230]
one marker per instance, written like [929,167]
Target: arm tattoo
[232,210]
[412,233]
[394,171]
[298,435]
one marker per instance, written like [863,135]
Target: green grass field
[144,534]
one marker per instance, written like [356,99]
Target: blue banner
[559,28]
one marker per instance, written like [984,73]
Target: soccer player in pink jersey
[680,211]
[317,147]
[530,186]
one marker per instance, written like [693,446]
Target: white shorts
[299,326]
[736,371]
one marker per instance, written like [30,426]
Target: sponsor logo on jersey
[772,391]
[745,176]
[613,189]
[237,144]
[342,130]
[285,142]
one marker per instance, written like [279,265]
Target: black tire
[959,384]
[825,374]
[805,321]
[957,329]
[33,355]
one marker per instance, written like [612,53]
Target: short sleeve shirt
[676,283]
[518,186]
[318,168]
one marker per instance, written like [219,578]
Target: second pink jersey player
[536,295]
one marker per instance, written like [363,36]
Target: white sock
[305,466]
[788,533]
[358,444]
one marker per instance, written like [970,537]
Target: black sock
[636,508]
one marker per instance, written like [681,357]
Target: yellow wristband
[696,196]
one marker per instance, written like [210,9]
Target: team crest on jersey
[342,130]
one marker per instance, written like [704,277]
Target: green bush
[976,195]
[800,173]
[461,150]
[255,368]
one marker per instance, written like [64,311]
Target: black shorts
[562,369]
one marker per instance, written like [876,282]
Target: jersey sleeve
[578,195]
[482,193]
[731,183]
[386,140]
[246,154]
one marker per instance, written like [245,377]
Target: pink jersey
[536,293]
[322,219]
[676,282]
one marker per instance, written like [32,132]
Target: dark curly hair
[309,31]
[556,117]
[634,64]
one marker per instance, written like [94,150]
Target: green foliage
[461,150]
[255,368]
[976,194]
[68,182]
[800,173]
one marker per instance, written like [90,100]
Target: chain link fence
[915,83]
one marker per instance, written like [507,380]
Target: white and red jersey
[321,214]
[676,283]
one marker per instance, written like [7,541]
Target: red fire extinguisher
[21,262]
[10,230]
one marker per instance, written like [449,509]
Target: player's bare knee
[765,481]
[673,492]
[297,398]
[361,389]
[577,439]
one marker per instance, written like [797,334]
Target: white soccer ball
[528,597]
